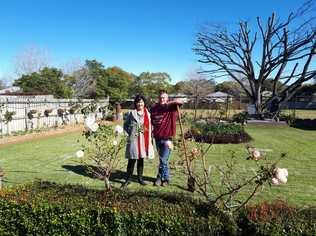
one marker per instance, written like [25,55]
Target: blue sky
[138,35]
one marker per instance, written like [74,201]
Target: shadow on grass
[66,193]
[117,176]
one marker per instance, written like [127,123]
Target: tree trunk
[258,101]
[107,184]
[195,107]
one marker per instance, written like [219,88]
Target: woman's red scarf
[146,133]
[146,130]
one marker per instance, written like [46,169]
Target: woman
[139,145]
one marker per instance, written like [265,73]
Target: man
[164,116]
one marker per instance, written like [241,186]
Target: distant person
[164,116]
[139,144]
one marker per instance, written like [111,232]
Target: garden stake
[191,180]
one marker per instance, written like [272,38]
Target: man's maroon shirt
[164,118]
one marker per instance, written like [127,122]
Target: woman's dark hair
[138,98]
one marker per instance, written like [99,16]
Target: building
[219,97]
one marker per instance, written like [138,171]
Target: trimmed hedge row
[49,219]
[50,209]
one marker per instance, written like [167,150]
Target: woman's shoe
[157,182]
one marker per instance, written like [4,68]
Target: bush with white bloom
[103,150]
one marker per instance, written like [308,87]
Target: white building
[219,97]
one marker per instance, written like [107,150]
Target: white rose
[275,181]
[89,124]
[255,154]
[115,143]
[79,154]
[169,144]
[119,129]
[285,172]
[281,175]
[195,151]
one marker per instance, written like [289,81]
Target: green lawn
[53,159]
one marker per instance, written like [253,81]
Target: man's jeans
[163,152]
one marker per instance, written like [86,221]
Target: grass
[53,159]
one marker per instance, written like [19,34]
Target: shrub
[8,116]
[241,118]
[308,124]
[103,146]
[50,209]
[211,132]
[277,218]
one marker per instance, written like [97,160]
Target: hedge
[50,209]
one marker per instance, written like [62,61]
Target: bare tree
[30,60]
[280,50]
[70,67]
[198,86]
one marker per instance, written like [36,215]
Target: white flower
[281,175]
[169,144]
[194,151]
[275,181]
[79,154]
[255,155]
[119,129]
[90,124]
[94,127]
[115,143]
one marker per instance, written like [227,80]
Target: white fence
[43,112]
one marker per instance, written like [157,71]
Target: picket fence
[29,112]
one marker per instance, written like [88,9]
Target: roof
[178,95]
[11,89]
[218,95]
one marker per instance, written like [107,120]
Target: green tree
[149,84]
[47,80]
[115,83]
[230,87]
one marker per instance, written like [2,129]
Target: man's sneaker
[165,184]
[157,182]
[142,182]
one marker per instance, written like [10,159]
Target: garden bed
[241,137]
[209,132]
[307,124]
